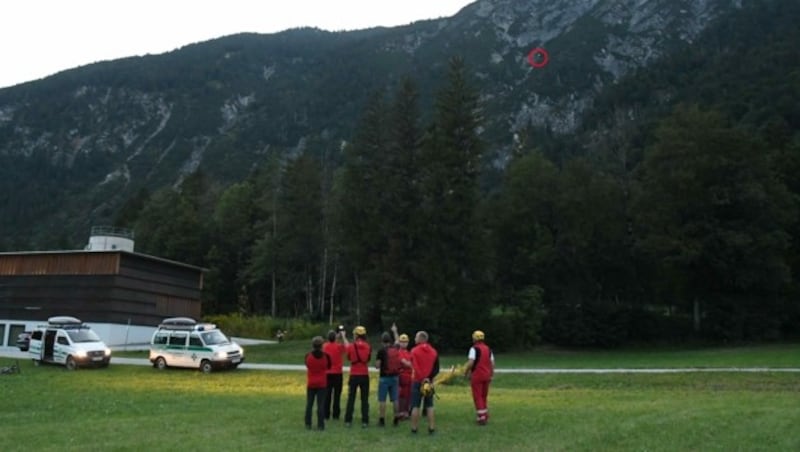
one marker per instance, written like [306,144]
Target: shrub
[263,327]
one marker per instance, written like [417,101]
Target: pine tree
[233,221]
[451,163]
[398,268]
[363,216]
[301,233]
[261,272]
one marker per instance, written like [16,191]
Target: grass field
[773,355]
[139,408]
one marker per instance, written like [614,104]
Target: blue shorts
[416,397]
[388,385]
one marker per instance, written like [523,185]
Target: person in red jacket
[336,348]
[425,364]
[480,370]
[404,391]
[317,364]
[358,353]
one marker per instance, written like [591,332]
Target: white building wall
[113,334]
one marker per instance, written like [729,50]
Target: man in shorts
[387,361]
[425,363]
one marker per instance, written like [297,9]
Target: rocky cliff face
[590,43]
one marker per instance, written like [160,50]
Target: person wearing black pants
[359,355]
[336,348]
[357,383]
[317,363]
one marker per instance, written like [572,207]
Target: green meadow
[140,408]
[773,355]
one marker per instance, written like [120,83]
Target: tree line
[690,233]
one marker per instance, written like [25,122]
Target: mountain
[75,146]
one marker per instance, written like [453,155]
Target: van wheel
[71,364]
[161,363]
[205,366]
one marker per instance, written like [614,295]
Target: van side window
[37,335]
[194,341]
[62,340]
[177,339]
[160,339]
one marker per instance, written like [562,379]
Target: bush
[263,327]
[590,324]
[517,325]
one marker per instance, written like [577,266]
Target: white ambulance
[182,342]
[68,341]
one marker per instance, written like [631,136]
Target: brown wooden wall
[59,264]
[113,287]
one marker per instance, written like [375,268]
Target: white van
[68,341]
[182,342]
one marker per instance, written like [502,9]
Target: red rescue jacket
[482,368]
[317,364]
[358,352]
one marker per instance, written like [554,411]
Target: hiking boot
[396,421]
[381,422]
[431,431]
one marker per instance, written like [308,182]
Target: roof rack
[185,323]
[65,321]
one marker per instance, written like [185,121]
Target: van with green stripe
[182,342]
[68,341]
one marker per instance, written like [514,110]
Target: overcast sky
[41,37]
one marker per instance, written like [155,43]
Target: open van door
[36,346]
[49,345]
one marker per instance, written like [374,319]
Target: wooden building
[104,287]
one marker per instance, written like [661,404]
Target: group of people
[406,377]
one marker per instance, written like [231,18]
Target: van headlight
[220,355]
[108,351]
[80,353]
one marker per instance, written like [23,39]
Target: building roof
[84,252]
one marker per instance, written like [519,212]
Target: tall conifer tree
[363,216]
[451,161]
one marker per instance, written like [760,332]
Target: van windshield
[83,336]
[214,338]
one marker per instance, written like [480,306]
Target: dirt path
[11,352]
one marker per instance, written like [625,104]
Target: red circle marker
[542,55]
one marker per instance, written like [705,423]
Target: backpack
[394,365]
